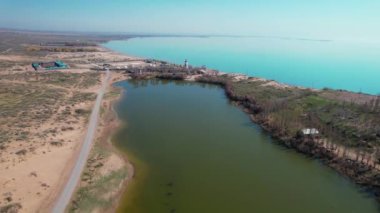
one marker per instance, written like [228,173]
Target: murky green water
[194,152]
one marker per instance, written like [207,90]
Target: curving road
[65,196]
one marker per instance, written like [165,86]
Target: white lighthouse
[186,65]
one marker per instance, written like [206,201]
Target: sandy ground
[36,174]
[102,165]
[33,171]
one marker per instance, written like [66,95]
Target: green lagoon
[195,152]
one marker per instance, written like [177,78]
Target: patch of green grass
[4,136]
[261,93]
[92,196]
[79,97]
[314,101]
[14,207]
[98,150]
[57,78]
[89,79]
[112,94]
[102,111]
[16,98]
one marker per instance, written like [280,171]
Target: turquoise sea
[353,66]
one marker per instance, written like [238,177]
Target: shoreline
[84,63]
[109,125]
[320,80]
[328,153]
[113,147]
[131,193]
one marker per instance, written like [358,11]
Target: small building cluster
[54,65]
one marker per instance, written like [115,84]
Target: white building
[310,131]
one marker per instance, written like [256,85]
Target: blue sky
[324,19]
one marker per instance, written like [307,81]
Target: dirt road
[66,194]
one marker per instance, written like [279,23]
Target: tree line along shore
[348,124]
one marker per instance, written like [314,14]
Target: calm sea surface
[194,152]
[334,64]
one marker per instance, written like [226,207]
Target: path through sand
[74,178]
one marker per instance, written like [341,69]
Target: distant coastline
[294,61]
[347,144]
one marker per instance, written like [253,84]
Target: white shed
[310,131]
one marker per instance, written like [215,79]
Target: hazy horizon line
[147,34]
[193,35]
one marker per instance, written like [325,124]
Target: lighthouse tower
[186,65]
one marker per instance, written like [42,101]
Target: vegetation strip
[348,124]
